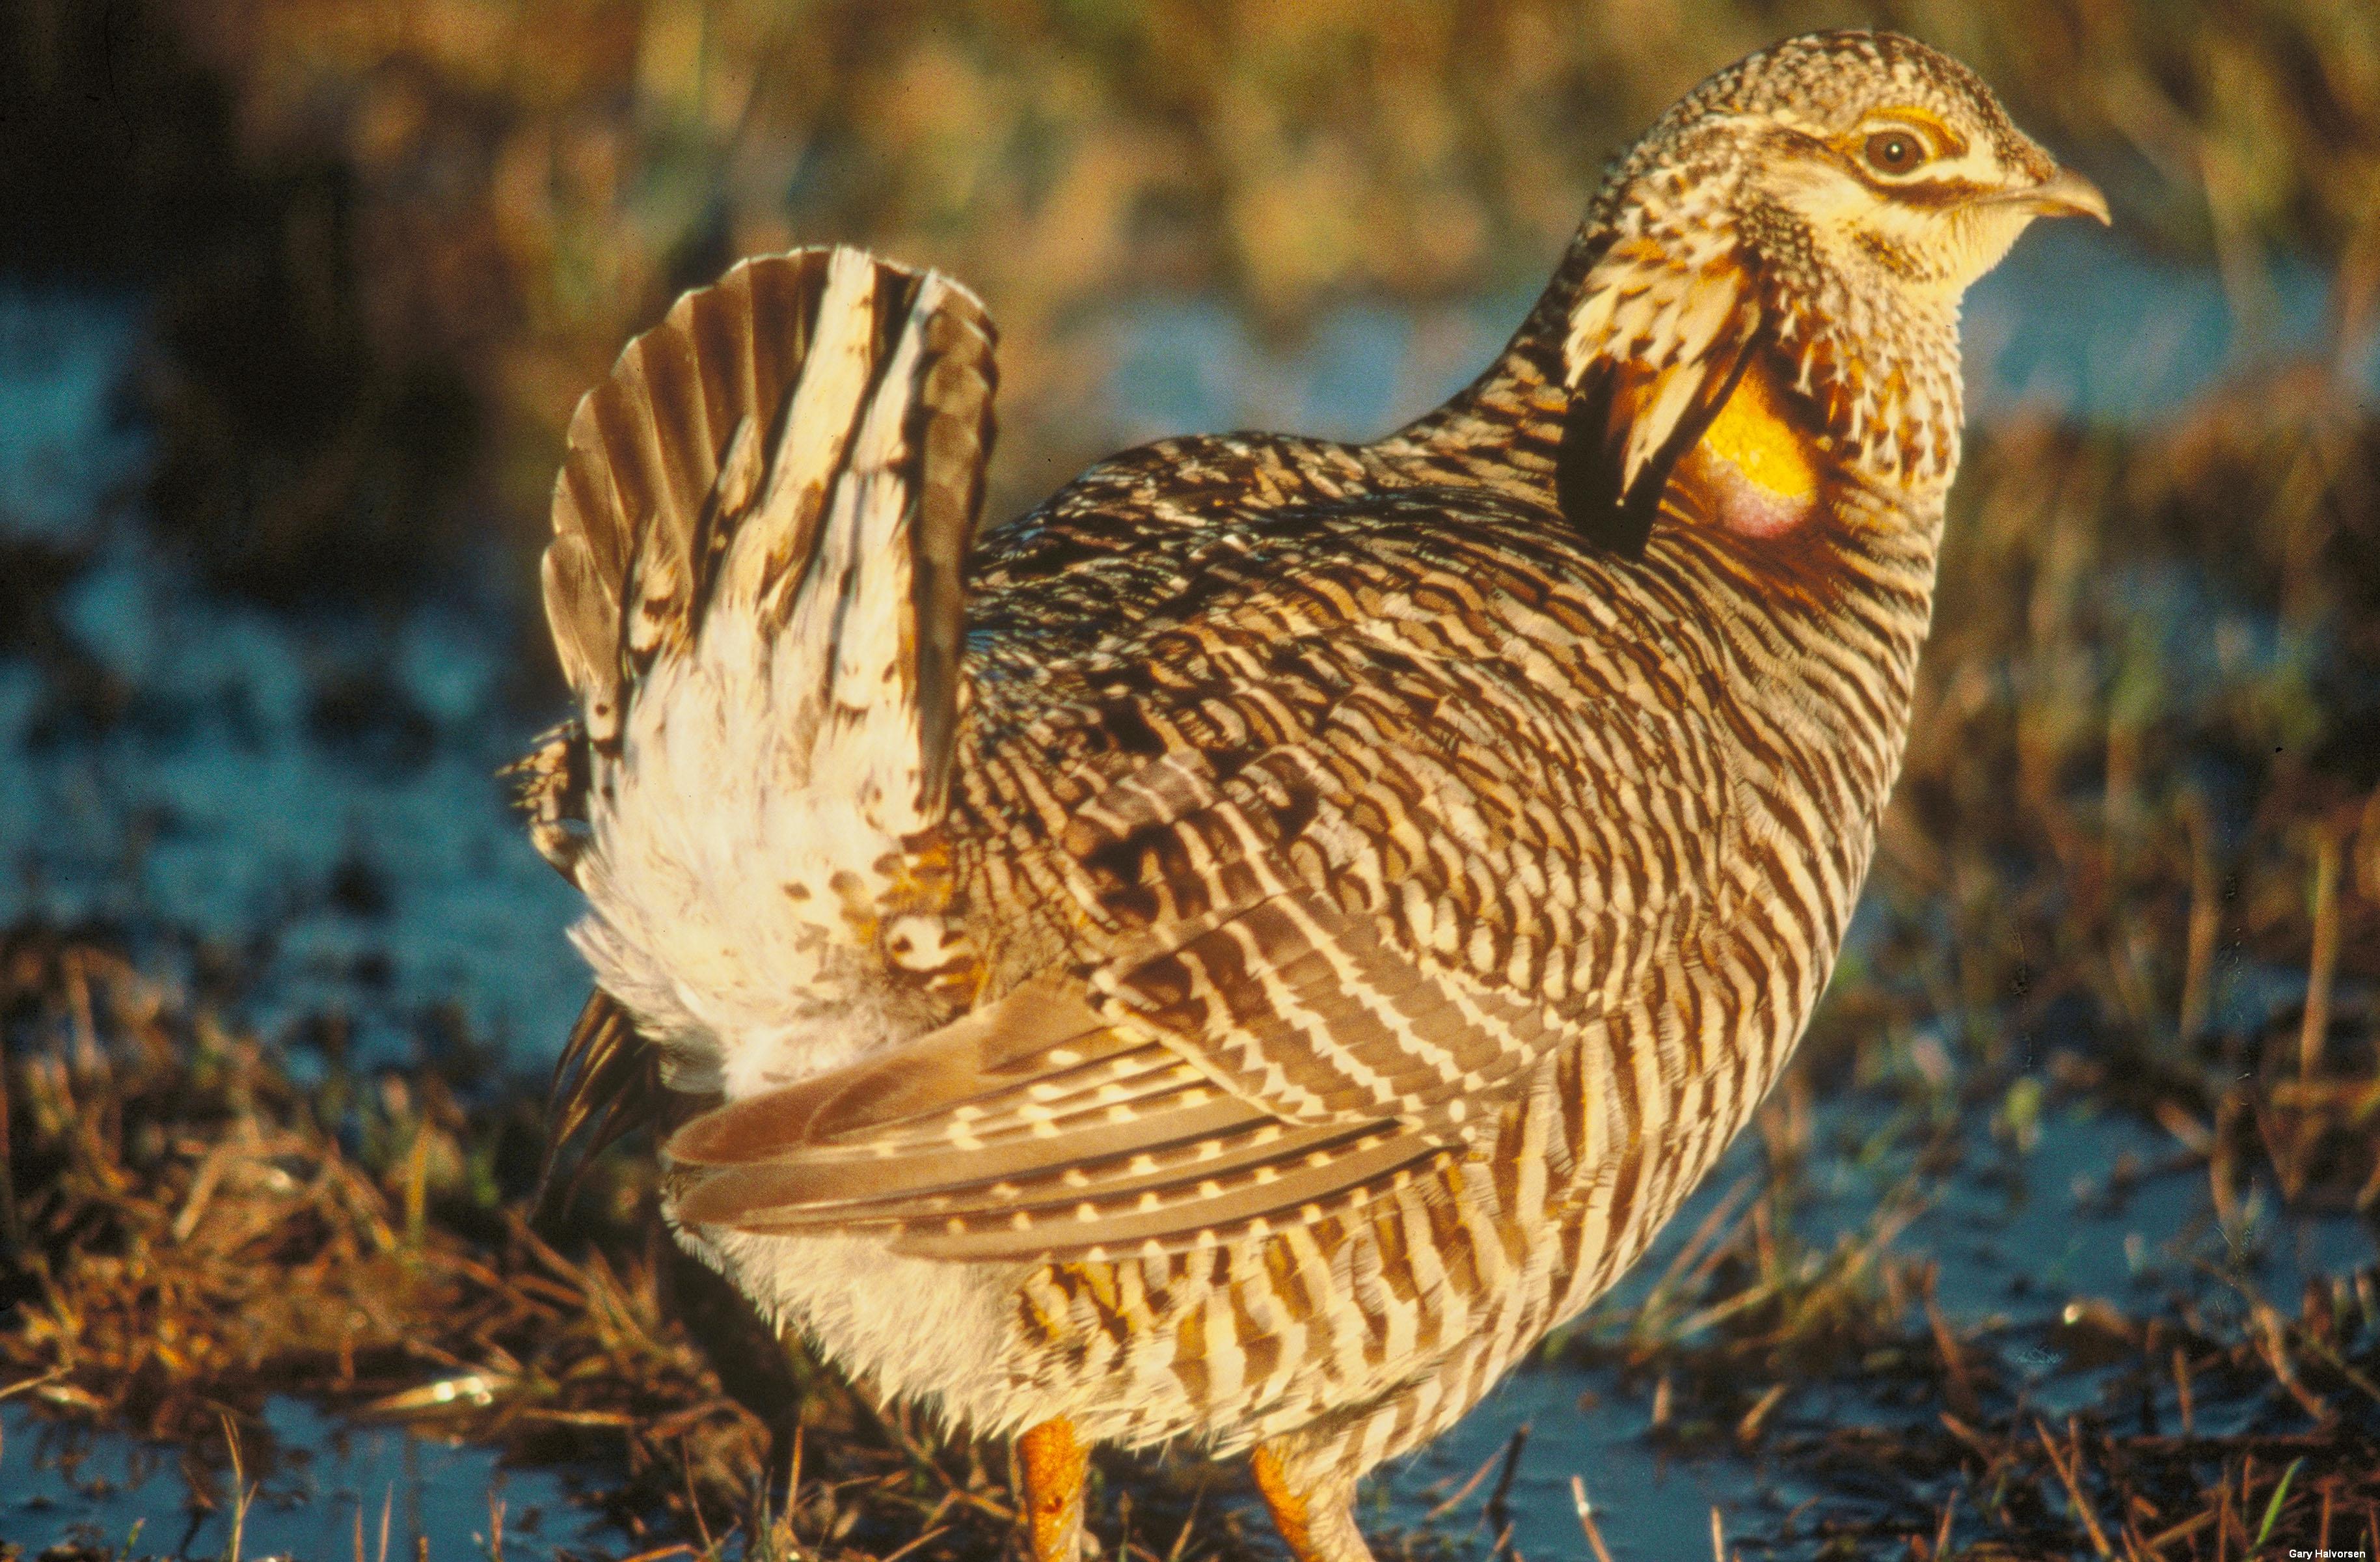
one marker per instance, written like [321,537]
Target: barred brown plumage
[1339,899]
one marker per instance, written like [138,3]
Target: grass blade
[2273,1508]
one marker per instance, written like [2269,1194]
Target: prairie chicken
[1241,951]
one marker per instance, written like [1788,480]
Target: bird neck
[1503,430]
[1848,594]
[1824,627]
[1875,372]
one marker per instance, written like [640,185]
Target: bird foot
[1054,1462]
[1316,1518]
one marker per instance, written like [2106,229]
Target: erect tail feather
[705,463]
[755,590]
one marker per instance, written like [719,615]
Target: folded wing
[1269,1061]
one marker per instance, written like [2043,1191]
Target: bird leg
[1054,1461]
[1314,1510]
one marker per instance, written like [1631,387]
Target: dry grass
[188,1232]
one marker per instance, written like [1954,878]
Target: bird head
[1865,162]
[1819,207]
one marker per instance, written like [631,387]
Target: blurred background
[296,297]
[379,249]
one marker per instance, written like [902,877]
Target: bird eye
[1894,151]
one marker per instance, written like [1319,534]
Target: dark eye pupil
[1893,153]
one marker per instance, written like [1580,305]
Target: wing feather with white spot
[1269,1062]
[970,1144]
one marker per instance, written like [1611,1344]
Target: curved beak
[2064,194]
